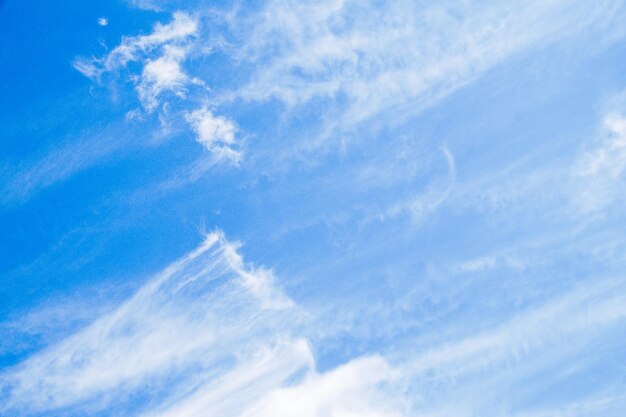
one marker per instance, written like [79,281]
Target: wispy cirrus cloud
[583,182]
[164,38]
[207,336]
[162,55]
[420,206]
[601,168]
[365,60]
[24,180]
[211,336]
[360,60]
[192,317]
[360,387]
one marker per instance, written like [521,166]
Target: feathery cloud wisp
[190,318]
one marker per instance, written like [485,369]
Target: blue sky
[326,208]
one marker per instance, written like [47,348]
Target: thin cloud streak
[396,60]
[27,179]
[198,312]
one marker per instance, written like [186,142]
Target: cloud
[496,371]
[146,4]
[421,205]
[241,386]
[581,312]
[610,158]
[161,54]
[180,29]
[581,181]
[209,335]
[357,388]
[103,21]
[358,58]
[215,133]
[228,340]
[601,169]
[199,314]
[162,74]
[261,388]
[605,404]
[59,164]
[213,336]
[479,264]
[366,59]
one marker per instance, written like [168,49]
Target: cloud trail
[210,336]
[396,60]
[194,316]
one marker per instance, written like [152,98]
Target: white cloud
[260,388]
[581,313]
[70,157]
[421,205]
[466,377]
[397,58]
[489,263]
[601,169]
[208,336]
[479,264]
[610,158]
[162,74]
[103,21]
[180,29]
[197,315]
[605,404]
[252,377]
[161,53]
[147,4]
[581,182]
[212,336]
[215,133]
[223,329]
[354,389]
[363,58]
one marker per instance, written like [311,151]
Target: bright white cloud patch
[103,21]
[162,74]
[161,54]
[215,133]
[253,376]
[355,389]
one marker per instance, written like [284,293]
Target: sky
[329,208]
